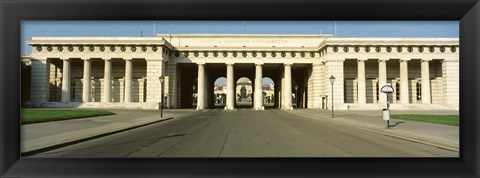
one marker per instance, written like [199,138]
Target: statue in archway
[243,93]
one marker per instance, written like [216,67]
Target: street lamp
[162,79]
[193,97]
[296,96]
[332,79]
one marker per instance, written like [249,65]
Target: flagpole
[244,30]
[335,28]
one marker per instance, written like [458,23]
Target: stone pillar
[425,68]
[230,88]
[128,80]
[335,67]
[66,80]
[155,69]
[404,98]
[315,90]
[287,90]
[86,95]
[382,80]
[362,99]
[107,81]
[258,98]
[201,87]
[355,88]
[374,91]
[451,82]
[40,80]
[173,85]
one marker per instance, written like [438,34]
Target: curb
[388,133]
[72,141]
[403,137]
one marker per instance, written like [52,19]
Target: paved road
[247,133]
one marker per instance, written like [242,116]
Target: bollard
[386,116]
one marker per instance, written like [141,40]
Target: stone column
[426,98]
[66,80]
[201,87]
[230,88]
[404,81]
[287,90]
[382,79]
[361,81]
[128,80]
[258,99]
[107,81]
[86,95]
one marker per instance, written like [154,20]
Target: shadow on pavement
[397,123]
[152,140]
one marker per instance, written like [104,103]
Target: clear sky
[433,29]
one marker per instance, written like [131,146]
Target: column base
[228,108]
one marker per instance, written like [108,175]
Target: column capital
[426,60]
[229,63]
[65,59]
[383,60]
[127,59]
[107,59]
[362,59]
[259,64]
[200,64]
[288,64]
[86,59]
[404,59]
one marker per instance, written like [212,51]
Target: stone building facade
[123,72]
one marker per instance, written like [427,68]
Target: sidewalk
[47,135]
[443,136]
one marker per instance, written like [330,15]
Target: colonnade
[382,80]
[66,73]
[258,89]
[258,96]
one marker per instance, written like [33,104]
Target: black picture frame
[13,12]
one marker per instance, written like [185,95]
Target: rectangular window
[397,93]
[419,91]
[72,88]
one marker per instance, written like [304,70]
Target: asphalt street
[247,133]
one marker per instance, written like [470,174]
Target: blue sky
[426,29]
[134,28]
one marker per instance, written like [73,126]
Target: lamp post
[332,79]
[296,97]
[162,79]
[193,97]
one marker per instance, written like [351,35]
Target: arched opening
[244,93]
[268,91]
[220,92]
